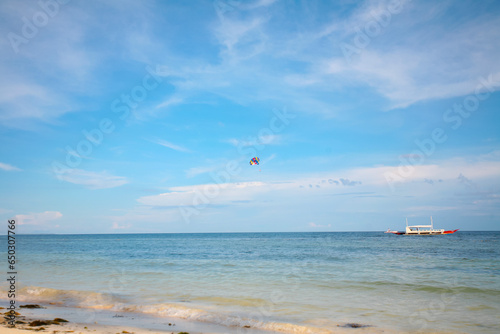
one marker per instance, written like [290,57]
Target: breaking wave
[103,301]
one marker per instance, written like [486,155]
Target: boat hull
[450,232]
[426,233]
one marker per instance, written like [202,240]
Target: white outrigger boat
[421,230]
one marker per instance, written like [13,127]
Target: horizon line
[377,231]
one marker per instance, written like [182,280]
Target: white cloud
[311,224]
[157,219]
[38,218]
[257,4]
[170,102]
[432,208]
[316,197]
[256,141]
[372,179]
[446,170]
[171,145]
[117,226]
[21,99]
[92,180]
[242,39]
[56,46]
[206,194]
[415,57]
[261,57]
[8,167]
[395,76]
[404,65]
[66,56]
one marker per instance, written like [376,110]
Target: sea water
[283,282]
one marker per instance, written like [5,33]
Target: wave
[77,298]
[103,301]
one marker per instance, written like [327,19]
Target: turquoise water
[286,282]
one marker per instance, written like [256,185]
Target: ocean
[281,282]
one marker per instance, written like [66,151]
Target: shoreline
[83,329]
[81,320]
[99,321]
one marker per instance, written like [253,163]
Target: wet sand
[105,322]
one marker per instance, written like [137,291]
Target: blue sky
[128,116]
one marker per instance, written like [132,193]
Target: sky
[142,116]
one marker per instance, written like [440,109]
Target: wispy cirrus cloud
[171,101]
[170,145]
[8,167]
[271,139]
[92,180]
[399,64]
[258,55]
[64,56]
[412,60]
